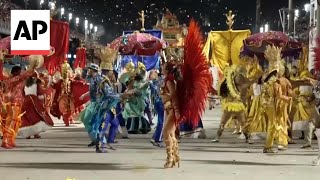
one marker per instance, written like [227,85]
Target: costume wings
[193,90]
[317,56]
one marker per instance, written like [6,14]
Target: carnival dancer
[271,96]
[88,114]
[192,80]
[303,117]
[283,106]
[143,72]
[256,122]
[36,119]
[66,100]
[106,115]
[49,91]
[158,106]
[57,87]
[79,87]
[233,91]
[316,122]
[109,100]
[2,91]
[133,111]
[13,100]
[120,86]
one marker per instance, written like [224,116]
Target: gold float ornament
[230,19]
[64,70]
[273,55]
[142,19]
[107,56]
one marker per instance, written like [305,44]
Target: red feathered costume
[184,99]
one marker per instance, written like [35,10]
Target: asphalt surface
[62,153]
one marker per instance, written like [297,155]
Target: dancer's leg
[168,130]
[224,119]
[271,131]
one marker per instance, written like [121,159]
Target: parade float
[142,46]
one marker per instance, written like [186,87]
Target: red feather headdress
[316,51]
[196,84]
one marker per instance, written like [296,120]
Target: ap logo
[30,32]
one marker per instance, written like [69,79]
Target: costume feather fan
[317,56]
[197,80]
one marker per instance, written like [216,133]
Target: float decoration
[223,48]
[257,43]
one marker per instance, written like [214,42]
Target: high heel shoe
[170,159]
[176,155]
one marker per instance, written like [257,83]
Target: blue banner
[151,62]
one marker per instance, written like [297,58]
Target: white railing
[5,27]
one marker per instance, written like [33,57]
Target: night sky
[114,16]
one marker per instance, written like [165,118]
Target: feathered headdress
[194,88]
[107,56]
[273,56]
[130,67]
[303,59]
[255,70]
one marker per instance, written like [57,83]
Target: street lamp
[307,7]
[86,24]
[261,29]
[62,12]
[296,15]
[52,5]
[77,21]
[41,2]
[70,16]
[266,27]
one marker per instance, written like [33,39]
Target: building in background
[173,32]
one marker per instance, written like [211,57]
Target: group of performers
[273,101]
[278,101]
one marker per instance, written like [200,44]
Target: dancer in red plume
[189,76]
[316,92]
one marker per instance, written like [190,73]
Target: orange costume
[13,99]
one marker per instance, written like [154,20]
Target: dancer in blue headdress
[87,116]
[106,114]
[133,111]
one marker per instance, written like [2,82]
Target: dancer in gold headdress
[274,102]
[233,91]
[284,103]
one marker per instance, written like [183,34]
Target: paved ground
[62,154]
